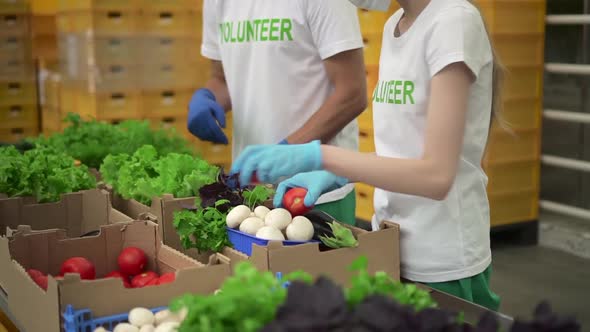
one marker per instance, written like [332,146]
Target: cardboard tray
[45,250]
[381,248]
[76,213]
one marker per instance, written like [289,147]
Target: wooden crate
[515,207]
[166,103]
[19,116]
[513,176]
[364,201]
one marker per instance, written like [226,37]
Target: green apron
[475,289]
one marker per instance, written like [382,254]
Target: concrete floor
[524,276]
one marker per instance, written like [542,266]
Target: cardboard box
[76,213]
[381,248]
[161,212]
[46,250]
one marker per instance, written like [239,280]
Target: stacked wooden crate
[44,32]
[137,59]
[19,116]
[512,160]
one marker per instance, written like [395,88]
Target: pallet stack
[136,59]
[19,117]
[512,160]
[44,32]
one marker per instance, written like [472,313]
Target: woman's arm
[433,175]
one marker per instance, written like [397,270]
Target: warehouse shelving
[569,116]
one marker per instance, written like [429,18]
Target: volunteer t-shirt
[272,53]
[440,240]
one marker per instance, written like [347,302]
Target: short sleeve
[210,44]
[334,25]
[458,35]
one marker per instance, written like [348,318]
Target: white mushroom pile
[276,224]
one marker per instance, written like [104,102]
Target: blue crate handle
[82,320]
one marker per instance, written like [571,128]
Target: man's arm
[218,85]
[348,100]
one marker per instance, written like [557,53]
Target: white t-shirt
[272,53]
[440,240]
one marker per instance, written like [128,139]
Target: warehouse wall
[564,139]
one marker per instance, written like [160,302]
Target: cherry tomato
[34,273]
[293,201]
[79,265]
[167,278]
[117,274]
[41,281]
[132,261]
[141,280]
[153,282]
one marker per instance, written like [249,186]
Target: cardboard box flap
[169,260]
[19,288]
[78,213]
[381,248]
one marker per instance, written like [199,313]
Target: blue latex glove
[316,183]
[205,117]
[273,162]
[284,142]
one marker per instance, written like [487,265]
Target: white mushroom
[168,327]
[237,215]
[147,328]
[251,225]
[278,218]
[125,327]
[140,317]
[300,229]
[261,211]
[270,233]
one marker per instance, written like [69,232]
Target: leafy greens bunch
[146,174]
[246,302]
[43,173]
[253,300]
[204,227]
[91,141]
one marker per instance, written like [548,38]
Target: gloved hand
[316,183]
[205,117]
[272,162]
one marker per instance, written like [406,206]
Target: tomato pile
[132,264]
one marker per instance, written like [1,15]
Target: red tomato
[79,265]
[34,273]
[117,274]
[143,279]
[132,261]
[293,202]
[153,282]
[41,281]
[254,179]
[167,278]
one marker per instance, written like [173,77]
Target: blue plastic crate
[83,321]
[242,242]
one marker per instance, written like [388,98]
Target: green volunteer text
[267,29]
[394,92]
